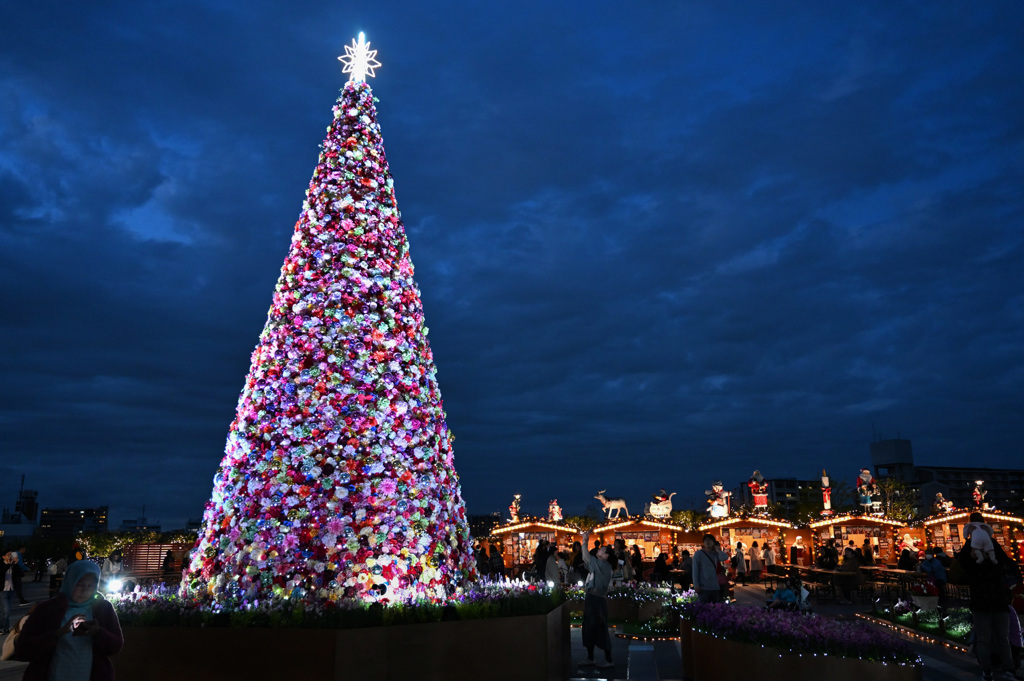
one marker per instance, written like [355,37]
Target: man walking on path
[595,605]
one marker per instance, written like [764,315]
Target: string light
[517,527]
[646,523]
[911,633]
[834,520]
[743,521]
[987,515]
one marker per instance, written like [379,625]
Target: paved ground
[649,661]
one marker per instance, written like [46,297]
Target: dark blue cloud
[656,246]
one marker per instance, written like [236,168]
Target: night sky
[657,246]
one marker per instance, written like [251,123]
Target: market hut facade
[653,537]
[519,540]
[947,530]
[883,534]
[763,530]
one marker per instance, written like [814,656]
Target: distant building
[895,459]
[786,492]
[21,524]
[194,524]
[26,507]
[139,525]
[67,522]
[481,525]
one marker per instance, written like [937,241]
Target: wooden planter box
[686,648]
[708,654]
[534,647]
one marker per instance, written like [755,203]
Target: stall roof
[858,518]
[961,513]
[746,522]
[526,525]
[646,522]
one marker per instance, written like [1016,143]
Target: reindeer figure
[614,503]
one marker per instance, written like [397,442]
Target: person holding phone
[73,634]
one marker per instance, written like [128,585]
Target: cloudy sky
[657,245]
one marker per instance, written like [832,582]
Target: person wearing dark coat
[990,594]
[10,582]
[660,573]
[497,563]
[73,634]
[637,561]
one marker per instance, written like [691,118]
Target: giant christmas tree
[337,479]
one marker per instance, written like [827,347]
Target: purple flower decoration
[800,633]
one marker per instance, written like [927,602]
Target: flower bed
[781,644]
[162,607]
[953,624]
[798,633]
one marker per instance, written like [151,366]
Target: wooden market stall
[519,539]
[779,533]
[947,530]
[884,534]
[654,537]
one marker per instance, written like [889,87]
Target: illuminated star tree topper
[359,60]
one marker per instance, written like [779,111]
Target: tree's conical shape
[338,479]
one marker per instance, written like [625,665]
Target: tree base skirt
[708,653]
[534,647]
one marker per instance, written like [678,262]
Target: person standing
[936,574]
[740,563]
[686,568]
[555,568]
[23,569]
[867,552]
[497,563]
[595,606]
[768,556]
[850,579]
[706,568]
[637,562]
[990,594]
[660,573]
[755,562]
[72,635]
[576,562]
[7,571]
[483,561]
